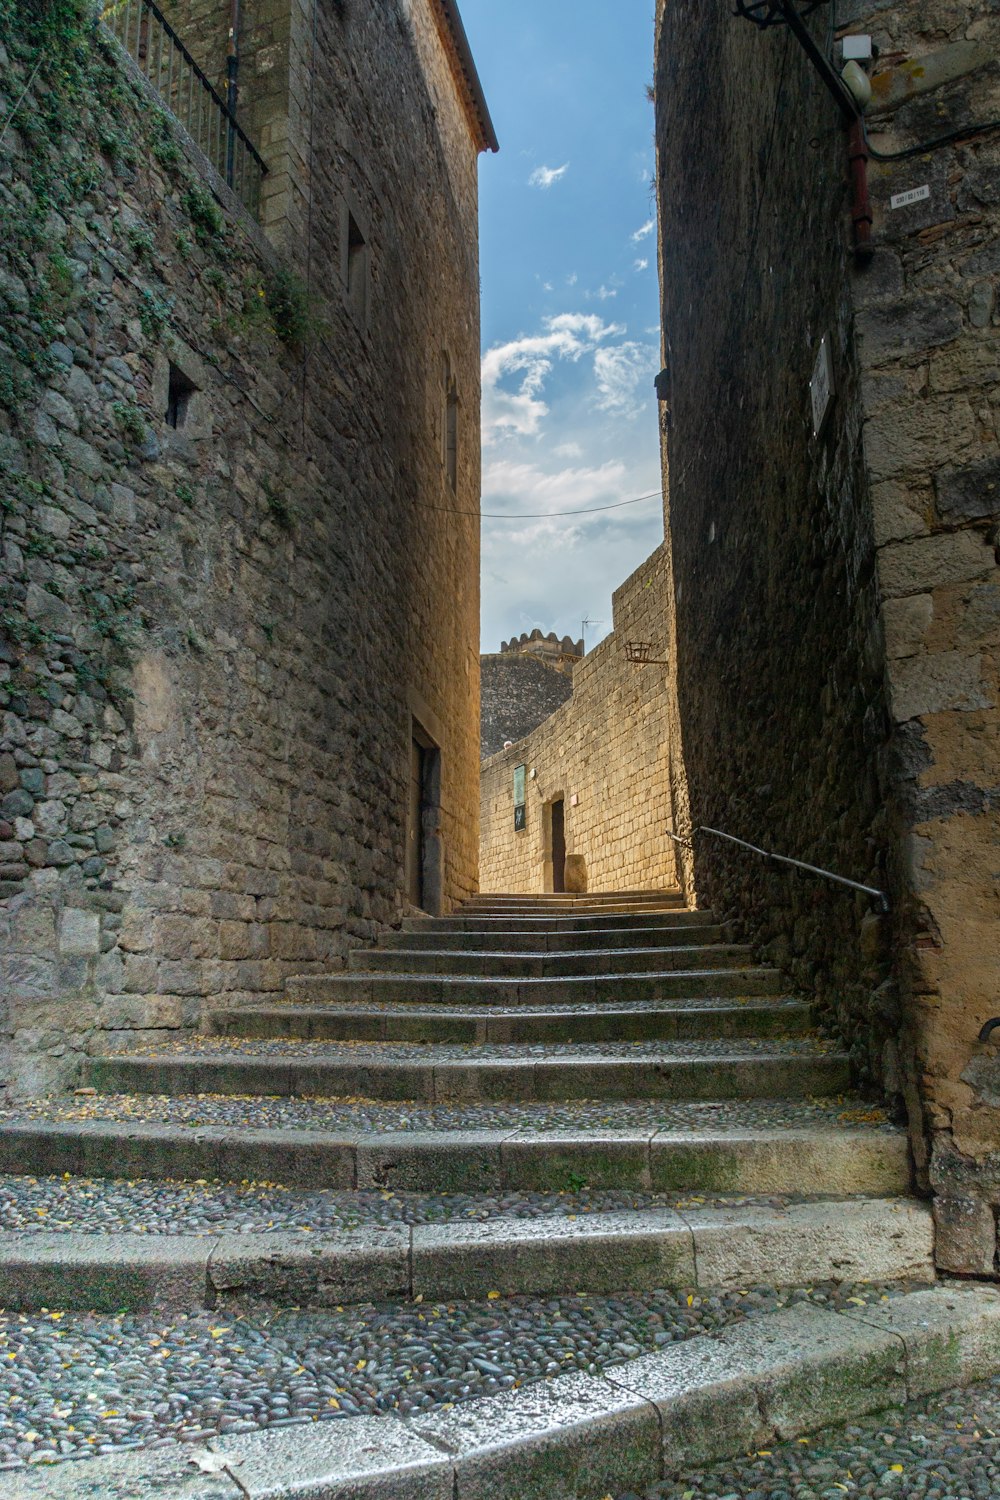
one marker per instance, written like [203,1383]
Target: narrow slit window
[357,269]
[179,392]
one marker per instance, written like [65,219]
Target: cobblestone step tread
[614,1421]
[411,1022]
[708,1247]
[448,939]
[439,1072]
[363,985]
[363,1144]
[493,963]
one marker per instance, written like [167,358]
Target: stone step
[567,898]
[441,1072]
[440,939]
[628,1425]
[222,1139]
[484,963]
[641,1021]
[693,1248]
[470,989]
[555,922]
[562,908]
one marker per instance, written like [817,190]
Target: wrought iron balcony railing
[149,39]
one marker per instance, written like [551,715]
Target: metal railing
[784,859]
[149,39]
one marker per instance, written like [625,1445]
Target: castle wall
[835,602]
[214,638]
[517,692]
[608,747]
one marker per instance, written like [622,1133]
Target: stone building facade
[599,767]
[237,603]
[835,620]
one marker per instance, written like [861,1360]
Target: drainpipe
[232,87]
[858,155]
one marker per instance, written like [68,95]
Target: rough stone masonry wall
[837,599]
[212,638]
[609,746]
[516,693]
[928,340]
[779,661]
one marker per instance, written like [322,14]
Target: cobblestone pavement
[109,1206]
[350,1114]
[76,1384]
[944,1448]
[421,1052]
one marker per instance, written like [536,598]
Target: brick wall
[609,747]
[215,637]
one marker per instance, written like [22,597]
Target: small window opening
[357,269]
[451,434]
[179,392]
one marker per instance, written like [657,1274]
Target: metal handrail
[189,94]
[784,859]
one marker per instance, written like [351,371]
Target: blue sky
[570,307]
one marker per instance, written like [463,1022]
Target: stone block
[425,1161]
[366,1458]
[935,683]
[363,1265]
[889,331]
[79,932]
[914,567]
[576,1436]
[951,1334]
[105,1272]
[966,1240]
[971,492]
[906,622]
[603,1253]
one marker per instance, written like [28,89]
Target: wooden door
[558,846]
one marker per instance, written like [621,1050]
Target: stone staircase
[535,1098]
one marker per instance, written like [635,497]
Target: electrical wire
[925,146]
[538,515]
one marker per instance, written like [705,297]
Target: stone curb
[490,963]
[755,1076]
[643,1250]
[435,940]
[836,1160]
[768,1379]
[681,984]
[413,1023]
[555,922]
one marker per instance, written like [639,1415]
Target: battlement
[563,654]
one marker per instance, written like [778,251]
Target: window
[179,392]
[357,270]
[449,453]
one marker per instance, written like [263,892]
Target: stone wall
[607,753]
[779,667]
[517,693]
[215,636]
[836,601]
[928,344]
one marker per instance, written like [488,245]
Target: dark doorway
[423,823]
[558,846]
[415,827]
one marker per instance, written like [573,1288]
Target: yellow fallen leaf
[492,1296]
[895,1468]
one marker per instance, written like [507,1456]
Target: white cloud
[621,373]
[544,177]
[643,231]
[568,450]
[603,293]
[572,279]
[530,359]
[642,264]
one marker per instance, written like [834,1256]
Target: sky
[570,308]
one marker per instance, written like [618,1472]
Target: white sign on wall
[912,195]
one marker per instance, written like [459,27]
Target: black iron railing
[149,39]
[784,859]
